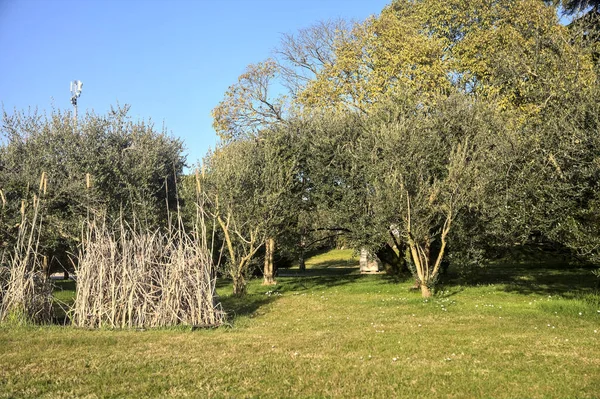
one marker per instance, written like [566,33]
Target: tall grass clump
[131,277]
[25,291]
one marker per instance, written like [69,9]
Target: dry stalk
[132,279]
[25,292]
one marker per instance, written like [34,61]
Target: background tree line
[435,133]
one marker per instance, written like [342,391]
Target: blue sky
[170,60]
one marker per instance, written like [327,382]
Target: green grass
[64,296]
[516,332]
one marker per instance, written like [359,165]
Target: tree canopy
[438,130]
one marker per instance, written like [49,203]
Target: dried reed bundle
[25,292]
[131,279]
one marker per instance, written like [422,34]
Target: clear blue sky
[170,60]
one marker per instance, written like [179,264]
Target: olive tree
[106,165]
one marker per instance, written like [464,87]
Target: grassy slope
[334,333]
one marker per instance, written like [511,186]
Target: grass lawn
[517,332]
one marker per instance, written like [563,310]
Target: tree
[303,55]
[283,189]
[491,49]
[375,58]
[107,165]
[416,102]
[235,186]
[248,105]
[336,187]
[427,170]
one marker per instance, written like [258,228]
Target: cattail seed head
[197,182]
[43,183]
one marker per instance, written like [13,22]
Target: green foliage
[480,118]
[251,183]
[103,165]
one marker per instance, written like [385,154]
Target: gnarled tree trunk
[269,270]
[425,291]
[393,263]
[239,285]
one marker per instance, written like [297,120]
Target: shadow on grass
[248,305]
[320,279]
[65,285]
[326,274]
[542,278]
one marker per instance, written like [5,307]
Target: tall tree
[250,105]
[301,56]
[250,182]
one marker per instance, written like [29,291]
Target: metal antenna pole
[76,87]
[75,111]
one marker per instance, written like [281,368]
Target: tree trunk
[301,261]
[45,266]
[269,269]
[239,286]
[393,263]
[425,291]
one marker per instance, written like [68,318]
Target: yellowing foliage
[247,104]
[514,52]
